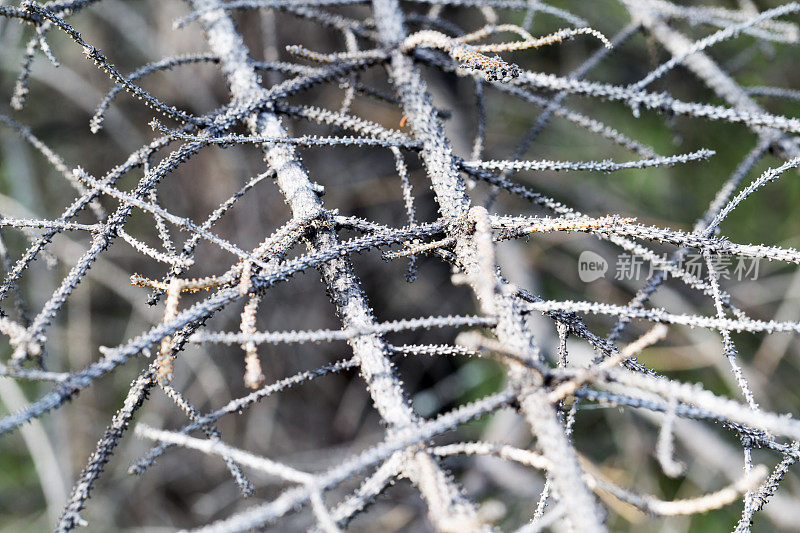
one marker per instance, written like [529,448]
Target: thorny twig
[393,40]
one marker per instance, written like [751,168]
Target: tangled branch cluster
[389,44]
